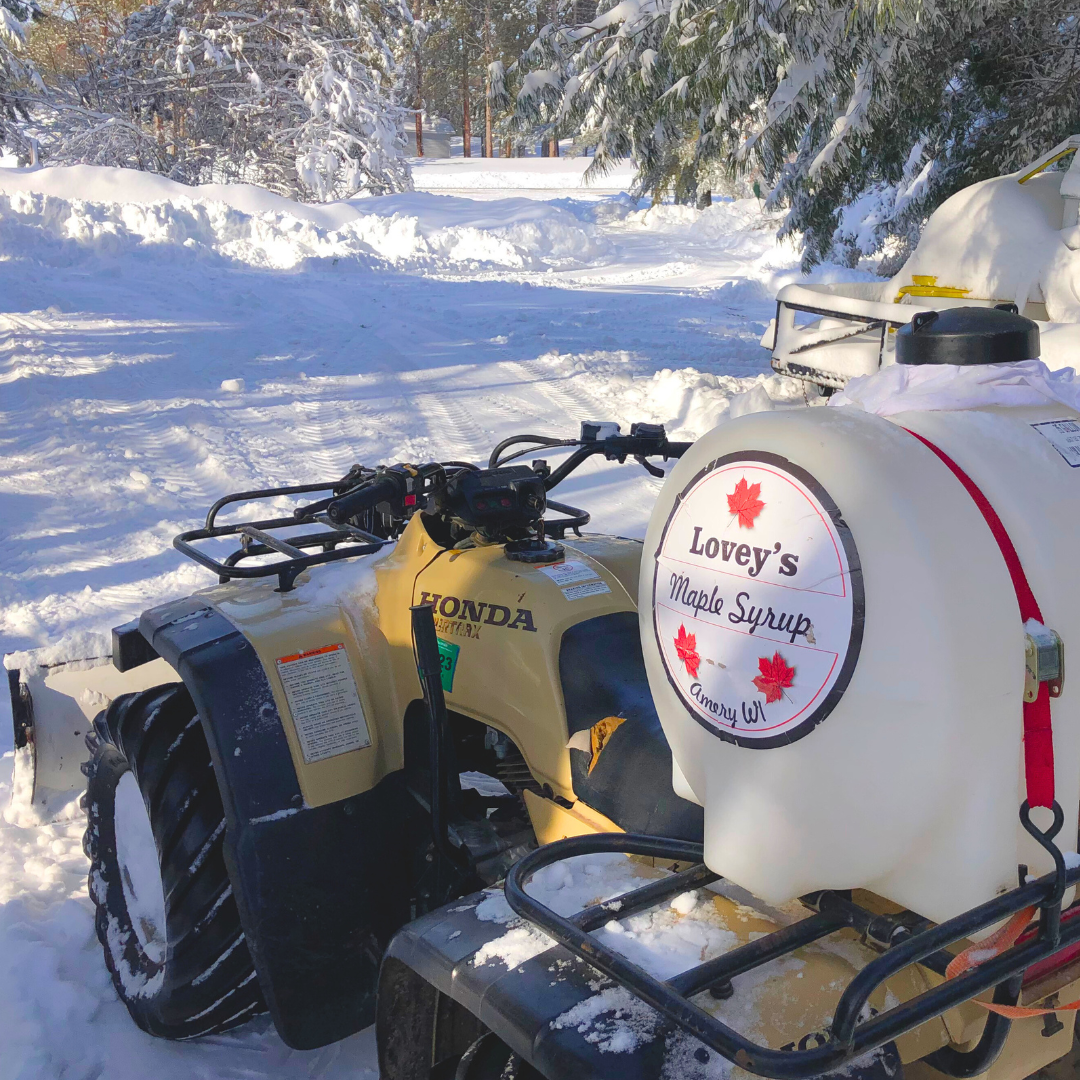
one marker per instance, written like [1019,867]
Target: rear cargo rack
[256,539]
[856,1028]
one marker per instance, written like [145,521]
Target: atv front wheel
[166,916]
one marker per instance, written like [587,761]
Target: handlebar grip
[677,449]
[363,498]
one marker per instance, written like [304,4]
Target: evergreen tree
[17,74]
[886,106]
[468,46]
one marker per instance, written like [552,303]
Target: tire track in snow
[451,425]
[576,403]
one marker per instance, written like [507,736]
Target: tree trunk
[466,124]
[489,147]
[419,90]
[553,150]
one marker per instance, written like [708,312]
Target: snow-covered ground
[161,346]
[531,177]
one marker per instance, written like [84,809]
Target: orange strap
[995,945]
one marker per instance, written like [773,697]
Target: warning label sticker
[590,588]
[1064,437]
[325,706]
[569,572]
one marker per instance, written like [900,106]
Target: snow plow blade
[53,705]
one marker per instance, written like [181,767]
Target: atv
[269,735]
[1002,240]
[347,783]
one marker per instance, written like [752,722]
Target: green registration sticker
[448,654]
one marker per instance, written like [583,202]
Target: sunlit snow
[161,346]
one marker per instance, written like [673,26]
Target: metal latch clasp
[1044,660]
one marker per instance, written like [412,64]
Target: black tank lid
[968,335]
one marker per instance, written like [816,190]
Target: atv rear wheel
[489,1058]
[166,916]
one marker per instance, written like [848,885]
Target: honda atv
[807,708]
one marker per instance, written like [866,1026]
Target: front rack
[903,941]
[256,539]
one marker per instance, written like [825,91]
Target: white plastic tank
[836,652]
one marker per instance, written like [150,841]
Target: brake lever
[653,470]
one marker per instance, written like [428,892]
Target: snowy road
[158,350]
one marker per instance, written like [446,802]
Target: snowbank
[687,400]
[502,174]
[118,212]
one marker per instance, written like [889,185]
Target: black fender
[320,890]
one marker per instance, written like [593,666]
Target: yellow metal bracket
[926,285]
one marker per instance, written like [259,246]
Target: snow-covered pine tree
[352,138]
[299,97]
[881,106]
[17,75]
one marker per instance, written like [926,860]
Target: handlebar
[619,448]
[411,485]
[362,498]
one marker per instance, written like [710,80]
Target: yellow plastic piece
[599,734]
[926,285]
[1046,165]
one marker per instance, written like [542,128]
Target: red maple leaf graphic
[744,501]
[686,647]
[775,676]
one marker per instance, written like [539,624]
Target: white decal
[1064,437]
[569,572]
[590,588]
[325,706]
[756,608]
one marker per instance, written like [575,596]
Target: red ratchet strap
[1038,734]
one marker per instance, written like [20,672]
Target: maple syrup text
[783,622]
[681,590]
[731,550]
[697,600]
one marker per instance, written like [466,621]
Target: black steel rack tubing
[256,540]
[848,1038]
[265,493]
[621,907]
[575,519]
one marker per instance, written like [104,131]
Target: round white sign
[757,600]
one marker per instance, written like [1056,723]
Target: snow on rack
[666,940]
